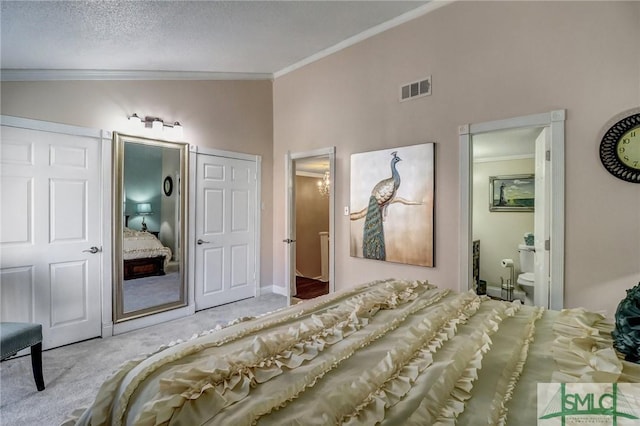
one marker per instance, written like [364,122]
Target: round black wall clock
[620,147]
[168,186]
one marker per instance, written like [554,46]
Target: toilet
[526,279]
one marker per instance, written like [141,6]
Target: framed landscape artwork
[513,193]
[392,205]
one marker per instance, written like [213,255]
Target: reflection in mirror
[149,226]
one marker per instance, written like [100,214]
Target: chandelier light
[324,184]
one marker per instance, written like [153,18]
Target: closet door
[225,252]
[50,232]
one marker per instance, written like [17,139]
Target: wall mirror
[149,226]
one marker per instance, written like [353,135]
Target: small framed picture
[513,193]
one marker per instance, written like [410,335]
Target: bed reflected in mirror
[149,226]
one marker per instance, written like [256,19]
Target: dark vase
[626,334]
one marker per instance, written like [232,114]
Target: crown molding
[64,75]
[399,20]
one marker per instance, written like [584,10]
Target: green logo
[573,403]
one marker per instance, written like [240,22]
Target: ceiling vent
[416,89]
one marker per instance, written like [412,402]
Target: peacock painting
[373,246]
[392,205]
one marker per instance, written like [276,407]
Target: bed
[390,352]
[143,254]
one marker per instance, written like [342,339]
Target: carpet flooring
[308,288]
[142,293]
[74,373]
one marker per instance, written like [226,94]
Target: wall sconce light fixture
[156,124]
[324,184]
[135,119]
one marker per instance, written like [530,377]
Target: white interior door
[225,250]
[541,220]
[50,218]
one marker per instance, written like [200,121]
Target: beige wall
[229,115]
[312,217]
[488,61]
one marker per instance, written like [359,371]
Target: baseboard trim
[276,289]
[138,323]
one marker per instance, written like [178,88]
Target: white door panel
[225,229]
[213,270]
[16,223]
[68,292]
[17,297]
[213,204]
[50,216]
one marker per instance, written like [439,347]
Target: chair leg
[36,365]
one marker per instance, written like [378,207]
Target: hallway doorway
[310,222]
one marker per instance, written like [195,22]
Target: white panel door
[50,217]
[225,230]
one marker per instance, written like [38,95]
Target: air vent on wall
[416,89]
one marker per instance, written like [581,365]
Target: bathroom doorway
[517,154]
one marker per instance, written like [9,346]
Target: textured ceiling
[259,37]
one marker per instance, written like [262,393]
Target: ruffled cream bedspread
[390,352]
[140,244]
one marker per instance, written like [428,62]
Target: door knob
[288,241]
[200,242]
[92,250]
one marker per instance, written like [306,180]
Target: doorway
[309,204]
[532,146]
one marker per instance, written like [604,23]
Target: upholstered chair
[16,336]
